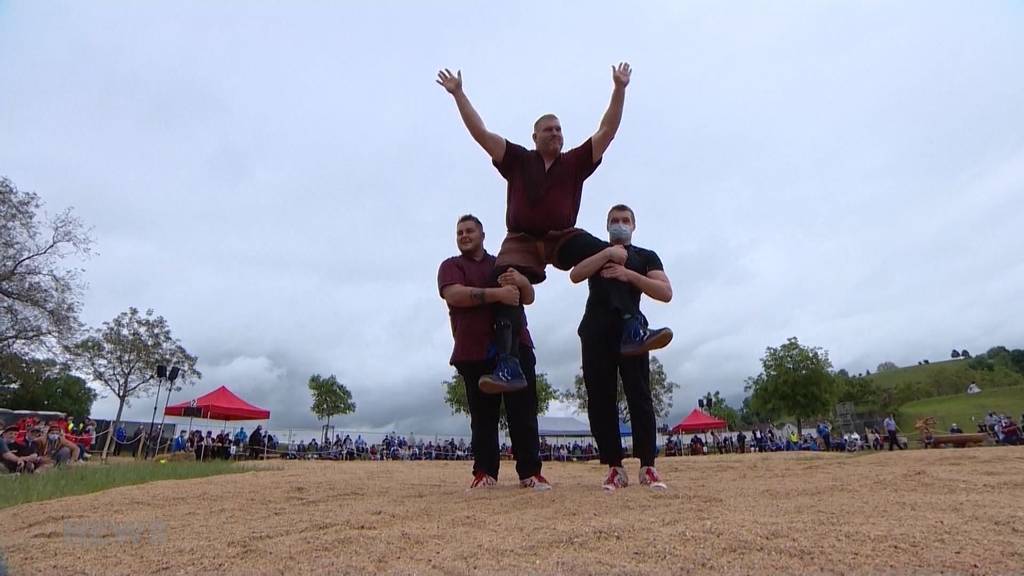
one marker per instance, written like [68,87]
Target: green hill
[960,408]
[899,386]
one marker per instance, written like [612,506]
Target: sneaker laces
[482,479]
[616,478]
[649,477]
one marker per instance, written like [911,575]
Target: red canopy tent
[699,421]
[221,404]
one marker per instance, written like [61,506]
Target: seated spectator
[13,461]
[54,448]
[954,429]
[1010,432]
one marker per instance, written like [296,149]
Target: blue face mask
[619,233]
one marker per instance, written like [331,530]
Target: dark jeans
[602,366]
[521,410]
[508,320]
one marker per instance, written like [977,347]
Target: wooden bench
[939,440]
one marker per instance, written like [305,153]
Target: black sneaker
[507,377]
[638,339]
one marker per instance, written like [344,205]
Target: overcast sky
[281,180]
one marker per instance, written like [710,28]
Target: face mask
[619,233]
[53,436]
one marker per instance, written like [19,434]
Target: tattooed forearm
[478,296]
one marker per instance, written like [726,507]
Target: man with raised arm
[545,187]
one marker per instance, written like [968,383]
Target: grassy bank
[88,478]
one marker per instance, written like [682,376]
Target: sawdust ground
[954,511]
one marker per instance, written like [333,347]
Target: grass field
[960,408]
[93,477]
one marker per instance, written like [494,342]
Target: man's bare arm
[516,278]
[461,296]
[613,116]
[493,144]
[593,265]
[655,284]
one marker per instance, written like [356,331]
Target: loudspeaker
[161,371]
[174,373]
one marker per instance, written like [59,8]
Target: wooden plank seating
[939,440]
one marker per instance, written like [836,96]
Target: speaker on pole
[161,371]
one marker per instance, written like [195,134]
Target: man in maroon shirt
[543,200]
[467,283]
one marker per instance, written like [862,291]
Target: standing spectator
[741,442]
[825,433]
[890,429]
[120,437]
[241,437]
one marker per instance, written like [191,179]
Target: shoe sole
[489,385]
[656,343]
[538,488]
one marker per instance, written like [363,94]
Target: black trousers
[894,440]
[520,409]
[602,367]
[508,320]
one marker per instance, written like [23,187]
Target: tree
[886,366]
[38,384]
[455,397]
[954,354]
[39,298]
[661,393]
[857,389]
[330,398]
[796,381]
[965,354]
[123,356]
[719,408]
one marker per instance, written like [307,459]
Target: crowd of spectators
[1002,429]
[31,445]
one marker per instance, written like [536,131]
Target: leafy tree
[330,398]
[886,366]
[662,390]
[981,363]
[455,397]
[1017,360]
[39,296]
[965,354]
[719,408]
[36,384]
[123,356]
[796,381]
[857,389]
[955,353]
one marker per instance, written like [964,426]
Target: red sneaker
[616,479]
[482,480]
[649,477]
[537,482]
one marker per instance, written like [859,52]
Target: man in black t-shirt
[603,361]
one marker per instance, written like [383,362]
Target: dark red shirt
[542,200]
[472,327]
